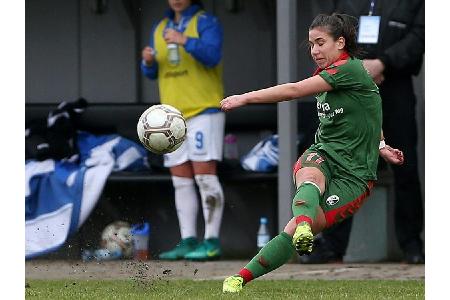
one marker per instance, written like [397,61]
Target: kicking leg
[307,215]
[274,254]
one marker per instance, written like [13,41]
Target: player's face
[324,49]
[179,5]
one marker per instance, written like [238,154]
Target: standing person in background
[335,175]
[185,55]
[392,53]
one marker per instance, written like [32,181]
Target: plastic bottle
[140,234]
[173,54]
[263,236]
[230,150]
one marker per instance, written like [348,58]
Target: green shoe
[233,284]
[184,246]
[303,239]
[207,250]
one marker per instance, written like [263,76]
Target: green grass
[189,289]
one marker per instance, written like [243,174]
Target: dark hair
[338,25]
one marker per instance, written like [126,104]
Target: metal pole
[287,111]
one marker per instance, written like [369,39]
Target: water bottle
[263,236]
[230,150]
[173,54]
[140,235]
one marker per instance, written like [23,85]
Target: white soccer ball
[117,237]
[161,129]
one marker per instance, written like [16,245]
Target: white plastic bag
[263,157]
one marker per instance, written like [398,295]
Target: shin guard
[305,202]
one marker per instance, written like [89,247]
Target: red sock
[246,274]
[303,218]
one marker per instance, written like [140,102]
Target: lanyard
[372,6]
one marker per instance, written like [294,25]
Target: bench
[250,124]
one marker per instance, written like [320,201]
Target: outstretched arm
[389,154]
[278,93]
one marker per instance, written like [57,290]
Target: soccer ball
[161,128]
[117,237]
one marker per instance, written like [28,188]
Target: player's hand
[173,36]
[232,102]
[392,156]
[148,55]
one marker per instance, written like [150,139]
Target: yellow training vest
[190,86]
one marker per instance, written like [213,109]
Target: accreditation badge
[369,29]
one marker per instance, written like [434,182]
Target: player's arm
[207,48]
[149,65]
[278,93]
[389,154]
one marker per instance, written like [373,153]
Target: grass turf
[189,289]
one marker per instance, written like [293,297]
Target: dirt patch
[161,270]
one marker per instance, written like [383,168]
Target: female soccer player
[335,175]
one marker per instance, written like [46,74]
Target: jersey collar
[344,56]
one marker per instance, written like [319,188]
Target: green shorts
[344,194]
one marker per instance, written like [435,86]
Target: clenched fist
[173,36]
[148,55]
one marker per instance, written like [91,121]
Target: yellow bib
[189,86]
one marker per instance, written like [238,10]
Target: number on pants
[319,159]
[199,140]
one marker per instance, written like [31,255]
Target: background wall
[72,52]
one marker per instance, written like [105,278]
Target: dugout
[74,50]
[136,196]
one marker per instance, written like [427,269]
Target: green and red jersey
[350,118]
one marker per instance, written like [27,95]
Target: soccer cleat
[303,239]
[209,249]
[233,284]
[184,246]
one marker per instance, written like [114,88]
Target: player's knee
[310,175]
[180,182]
[209,185]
